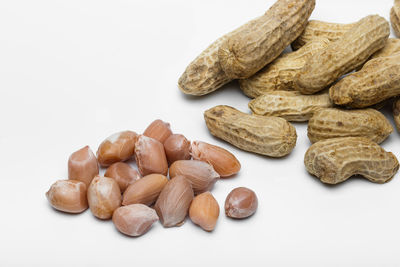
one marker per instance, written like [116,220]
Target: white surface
[74,72]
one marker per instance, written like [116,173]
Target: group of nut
[127,195]
[344,123]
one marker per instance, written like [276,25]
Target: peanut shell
[321,29]
[392,47]
[346,54]
[377,81]
[331,123]
[335,160]
[249,49]
[290,105]
[279,75]
[265,135]
[204,74]
[396,113]
[395,17]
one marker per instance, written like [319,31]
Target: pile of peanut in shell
[337,77]
[127,195]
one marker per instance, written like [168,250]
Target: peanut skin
[331,123]
[335,160]
[290,105]
[346,54]
[252,47]
[321,29]
[377,81]
[265,135]
[279,75]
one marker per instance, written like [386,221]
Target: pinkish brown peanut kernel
[117,147]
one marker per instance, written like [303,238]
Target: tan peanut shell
[331,123]
[335,160]
[290,105]
[262,40]
[392,47]
[265,135]
[204,74]
[279,74]
[378,80]
[321,29]
[395,17]
[396,113]
[346,54]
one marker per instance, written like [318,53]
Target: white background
[74,72]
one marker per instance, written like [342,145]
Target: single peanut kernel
[223,161]
[158,130]
[177,147]
[68,196]
[83,166]
[135,219]
[145,190]
[104,196]
[174,201]
[200,174]
[123,174]
[204,211]
[150,156]
[117,147]
[241,203]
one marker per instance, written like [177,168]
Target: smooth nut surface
[204,211]
[135,219]
[145,190]
[158,130]
[223,161]
[177,147]
[83,166]
[117,147]
[68,196]
[123,174]
[150,156]
[241,203]
[174,201]
[104,196]
[200,175]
